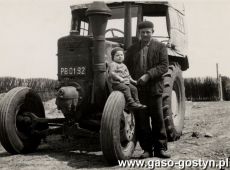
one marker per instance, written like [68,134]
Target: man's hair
[114,50]
[145,24]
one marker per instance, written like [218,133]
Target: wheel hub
[128,128]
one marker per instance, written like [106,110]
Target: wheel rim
[20,127]
[127,130]
[24,124]
[176,105]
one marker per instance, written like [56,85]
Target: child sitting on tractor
[122,81]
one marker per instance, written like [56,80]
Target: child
[121,79]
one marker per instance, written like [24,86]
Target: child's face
[119,57]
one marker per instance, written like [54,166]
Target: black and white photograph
[114,84]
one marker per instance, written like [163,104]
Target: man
[147,61]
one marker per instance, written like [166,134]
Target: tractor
[84,93]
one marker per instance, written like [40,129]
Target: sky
[29,30]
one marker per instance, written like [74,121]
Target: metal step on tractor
[84,93]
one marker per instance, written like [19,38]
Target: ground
[206,136]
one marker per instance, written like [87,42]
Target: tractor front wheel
[16,132]
[117,132]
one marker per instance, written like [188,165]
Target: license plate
[73,71]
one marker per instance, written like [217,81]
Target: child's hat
[114,50]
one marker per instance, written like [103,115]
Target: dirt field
[206,136]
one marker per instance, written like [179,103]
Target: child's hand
[134,82]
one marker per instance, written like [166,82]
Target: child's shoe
[134,106]
[142,106]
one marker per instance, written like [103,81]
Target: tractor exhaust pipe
[98,14]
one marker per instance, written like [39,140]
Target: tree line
[43,86]
[196,89]
[206,89]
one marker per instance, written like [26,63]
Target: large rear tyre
[174,102]
[117,132]
[16,134]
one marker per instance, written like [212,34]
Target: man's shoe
[146,154]
[162,154]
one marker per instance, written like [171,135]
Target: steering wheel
[112,31]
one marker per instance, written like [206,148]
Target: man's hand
[143,80]
[121,80]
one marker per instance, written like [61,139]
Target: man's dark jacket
[157,64]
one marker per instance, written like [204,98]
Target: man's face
[146,34]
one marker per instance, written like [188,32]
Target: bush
[226,87]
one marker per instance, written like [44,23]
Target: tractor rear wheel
[117,132]
[174,102]
[16,133]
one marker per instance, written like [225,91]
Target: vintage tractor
[84,93]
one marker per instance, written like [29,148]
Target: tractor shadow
[78,152]
[5,154]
